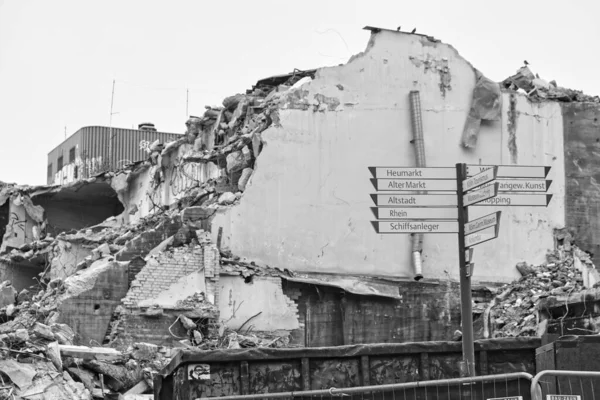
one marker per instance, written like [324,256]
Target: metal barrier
[470,388]
[565,385]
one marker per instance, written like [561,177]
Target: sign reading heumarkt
[413,173]
[399,213]
[415,226]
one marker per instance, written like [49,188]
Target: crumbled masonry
[517,309]
[120,290]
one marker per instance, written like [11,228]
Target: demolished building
[253,229]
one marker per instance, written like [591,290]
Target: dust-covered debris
[515,311]
[539,89]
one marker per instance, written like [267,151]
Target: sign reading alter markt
[473,185]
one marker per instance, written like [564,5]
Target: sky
[58,58]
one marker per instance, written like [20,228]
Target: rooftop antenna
[110,134]
[65,131]
[187,97]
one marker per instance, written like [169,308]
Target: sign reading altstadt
[443,200]
[467,185]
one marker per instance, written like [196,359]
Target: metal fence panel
[566,385]
[514,385]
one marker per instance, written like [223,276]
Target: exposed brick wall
[134,268]
[582,169]
[163,271]
[146,241]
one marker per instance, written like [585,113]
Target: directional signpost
[409,211]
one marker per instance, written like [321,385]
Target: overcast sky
[58,58]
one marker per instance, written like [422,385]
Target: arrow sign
[482,223]
[414,213]
[413,173]
[481,236]
[518,199]
[523,185]
[480,195]
[480,179]
[415,200]
[414,184]
[415,226]
[511,171]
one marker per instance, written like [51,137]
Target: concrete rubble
[537,88]
[518,308]
[42,356]
[156,268]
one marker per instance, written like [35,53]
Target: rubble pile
[538,88]
[514,311]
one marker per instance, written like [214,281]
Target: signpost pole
[466,309]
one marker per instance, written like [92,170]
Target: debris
[539,89]
[8,294]
[514,312]
[53,352]
[91,353]
[486,105]
[140,388]
[187,323]
[20,374]
[227,198]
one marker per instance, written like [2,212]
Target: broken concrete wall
[262,298]
[582,146]
[91,297]
[308,205]
[19,228]
[66,257]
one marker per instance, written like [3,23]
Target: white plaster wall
[185,287]
[307,207]
[239,301]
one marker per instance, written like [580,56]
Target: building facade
[90,150]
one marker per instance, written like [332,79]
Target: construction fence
[546,385]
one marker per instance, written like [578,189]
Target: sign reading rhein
[410,211]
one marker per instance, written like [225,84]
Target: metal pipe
[417,130]
[384,388]
[536,392]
